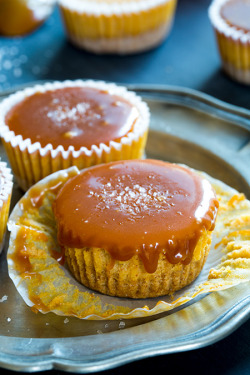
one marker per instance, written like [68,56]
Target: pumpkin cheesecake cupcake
[57,125]
[136,228]
[117,26]
[6,186]
[231,22]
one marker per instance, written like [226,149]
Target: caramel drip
[142,207]
[72,116]
[58,256]
[237,13]
[20,257]
[38,304]
[36,196]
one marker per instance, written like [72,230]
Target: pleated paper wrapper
[118,27]
[46,285]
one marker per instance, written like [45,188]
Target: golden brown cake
[57,125]
[6,186]
[231,22]
[138,228]
[117,26]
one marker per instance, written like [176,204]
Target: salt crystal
[4,298]
[121,325]
[8,320]
[66,320]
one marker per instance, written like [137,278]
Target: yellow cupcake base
[95,269]
[121,33]
[124,45]
[235,57]
[30,167]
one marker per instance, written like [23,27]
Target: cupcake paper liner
[124,27]
[5,198]
[50,287]
[31,162]
[233,44]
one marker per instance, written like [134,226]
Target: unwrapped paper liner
[49,287]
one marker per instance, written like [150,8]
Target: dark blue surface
[187,58]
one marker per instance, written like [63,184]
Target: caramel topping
[78,116]
[237,13]
[142,207]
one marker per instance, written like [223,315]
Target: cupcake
[19,17]
[136,228]
[57,125]
[231,22]
[6,186]
[117,26]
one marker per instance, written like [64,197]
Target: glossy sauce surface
[72,116]
[237,13]
[142,207]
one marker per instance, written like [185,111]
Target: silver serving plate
[186,127]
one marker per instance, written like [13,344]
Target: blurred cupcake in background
[231,22]
[117,26]
[20,17]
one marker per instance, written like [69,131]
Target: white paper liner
[222,26]
[41,8]
[110,8]
[5,196]
[6,182]
[228,263]
[124,45]
[140,125]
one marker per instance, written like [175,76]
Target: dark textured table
[188,58]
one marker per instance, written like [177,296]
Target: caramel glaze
[78,116]
[143,207]
[237,13]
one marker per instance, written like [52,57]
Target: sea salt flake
[4,298]
[121,325]
[66,321]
